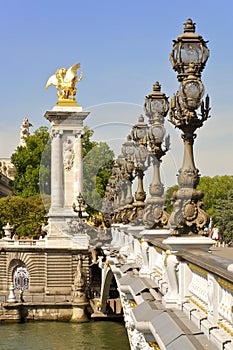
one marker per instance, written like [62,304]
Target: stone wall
[21,312]
[51,270]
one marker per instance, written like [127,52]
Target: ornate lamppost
[188,59]
[128,150]
[118,187]
[108,201]
[156,108]
[80,207]
[139,135]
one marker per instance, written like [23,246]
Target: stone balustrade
[22,242]
[191,280]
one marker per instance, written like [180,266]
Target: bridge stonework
[171,298]
[51,281]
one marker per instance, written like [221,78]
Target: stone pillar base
[155,233]
[170,301]
[186,242]
[79,312]
[60,235]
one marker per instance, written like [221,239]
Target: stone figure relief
[68,154]
[79,282]
[78,279]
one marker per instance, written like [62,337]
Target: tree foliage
[223,216]
[169,194]
[97,167]
[29,165]
[215,188]
[25,214]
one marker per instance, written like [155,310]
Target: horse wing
[52,81]
[71,73]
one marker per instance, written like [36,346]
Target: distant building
[7,170]
[5,186]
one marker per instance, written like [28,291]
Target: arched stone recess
[35,266]
[107,277]
[14,263]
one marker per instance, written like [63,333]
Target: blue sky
[123,48]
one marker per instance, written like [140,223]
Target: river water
[63,336]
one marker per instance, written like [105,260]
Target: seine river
[63,336]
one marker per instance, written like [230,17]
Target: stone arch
[105,287]
[21,278]
[14,260]
[13,265]
[34,262]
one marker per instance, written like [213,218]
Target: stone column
[57,186]
[78,165]
[66,174]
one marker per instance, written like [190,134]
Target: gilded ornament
[201,307]
[198,270]
[65,81]
[227,327]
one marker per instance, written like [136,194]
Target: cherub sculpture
[65,80]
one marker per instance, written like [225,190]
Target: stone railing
[22,242]
[187,275]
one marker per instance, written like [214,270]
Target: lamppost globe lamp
[191,90]
[189,47]
[139,131]
[156,104]
[121,160]
[128,149]
[156,133]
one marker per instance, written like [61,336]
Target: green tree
[97,168]
[169,194]
[29,165]
[223,217]
[215,188]
[25,214]
[87,143]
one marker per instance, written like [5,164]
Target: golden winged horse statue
[65,80]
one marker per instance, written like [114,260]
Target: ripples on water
[63,336]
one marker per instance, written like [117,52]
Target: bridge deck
[224,252]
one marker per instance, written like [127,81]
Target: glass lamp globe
[192,90]
[141,154]
[156,104]
[189,48]
[157,133]
[128,148]
[139,131]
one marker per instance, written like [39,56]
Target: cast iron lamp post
[128,150]
[188,58]
[156,108]
[81,207]
[111,200]
[139,135]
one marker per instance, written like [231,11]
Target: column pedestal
[66,172]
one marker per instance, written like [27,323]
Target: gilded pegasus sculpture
[65,80]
